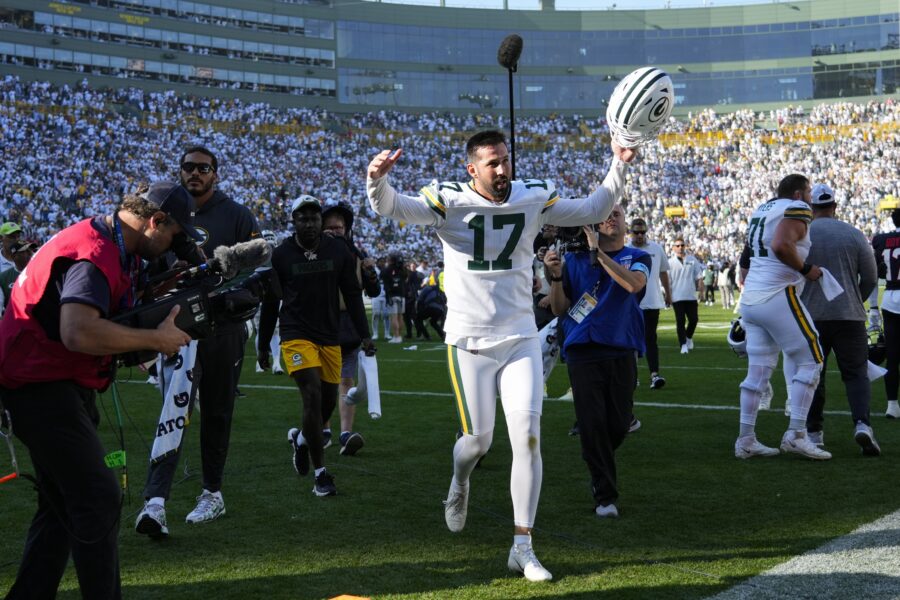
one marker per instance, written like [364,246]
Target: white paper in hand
[367,384]
[874,371]
[830,286]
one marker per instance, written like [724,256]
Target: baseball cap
[305,200]
[9,228]
[174,200]
[822,194]
[23,247]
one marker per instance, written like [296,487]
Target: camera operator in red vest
[57,348]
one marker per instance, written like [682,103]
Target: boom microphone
[508,56]
[228,261]
[509,52]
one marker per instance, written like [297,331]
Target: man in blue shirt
[597,295]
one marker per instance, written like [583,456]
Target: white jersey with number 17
[488,251]
[768,275]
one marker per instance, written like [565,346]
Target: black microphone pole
[508,57]
[512,123]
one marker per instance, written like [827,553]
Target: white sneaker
[209,507]
[865,437]
[153,380]
[893,410]
[395,340]
[765,401]
[748,446]
[607,512]
[798,443]
[259,369]
[817,438]
[684,349]
[455,509]
[522,560]
[690,344]
[567,396]
[152,521]
[374,338]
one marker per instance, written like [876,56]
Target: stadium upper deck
[351,56]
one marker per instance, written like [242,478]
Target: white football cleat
[797,442]
[748,446]
[456,507]
[522,560]
[684,349]
[893,410]
[690,344]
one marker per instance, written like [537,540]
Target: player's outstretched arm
[595,208]
[385,200]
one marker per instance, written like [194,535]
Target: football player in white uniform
[487,226]
[776,320]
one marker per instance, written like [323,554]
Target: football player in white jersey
[486,226]
[775,319]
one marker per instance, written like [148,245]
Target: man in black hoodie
[220,221]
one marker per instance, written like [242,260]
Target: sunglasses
[190,167]
[639,231]
[678,245]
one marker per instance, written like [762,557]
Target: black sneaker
[324,485]
[657,382]
[575,429]
[300,452]
[326,439]
[352,444]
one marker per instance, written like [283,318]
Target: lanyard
[129,263]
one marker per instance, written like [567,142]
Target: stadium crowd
[72,152]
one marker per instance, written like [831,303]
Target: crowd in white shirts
[70,153]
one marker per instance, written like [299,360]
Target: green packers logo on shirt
[296,359]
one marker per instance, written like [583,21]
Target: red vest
[26,354]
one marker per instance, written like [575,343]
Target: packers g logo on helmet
[639,106]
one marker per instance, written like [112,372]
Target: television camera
[207,296]
[572,239]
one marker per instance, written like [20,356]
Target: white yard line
[862,564]
[734,407]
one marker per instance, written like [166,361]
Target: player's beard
[500,187]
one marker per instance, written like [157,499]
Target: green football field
[694,520]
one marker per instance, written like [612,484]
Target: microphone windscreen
[510,50]
[231,260]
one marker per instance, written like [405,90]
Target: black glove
[264,359]
[368,347]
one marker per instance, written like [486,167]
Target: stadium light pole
[508,56]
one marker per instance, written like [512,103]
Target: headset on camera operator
[56,350]
[597,293]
